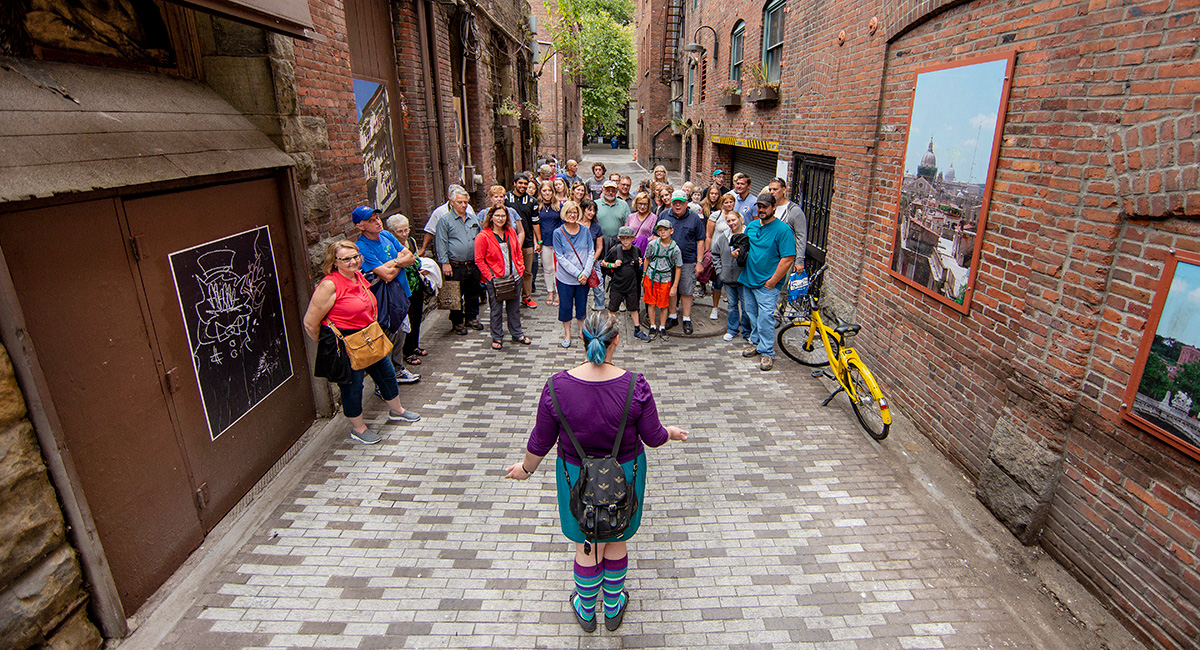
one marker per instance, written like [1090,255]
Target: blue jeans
[598,294]
[384,374]
[760,307]
[738,318]
[571,295]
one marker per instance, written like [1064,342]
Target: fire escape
[670,53]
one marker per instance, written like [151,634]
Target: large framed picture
[1163,396]
[950,152]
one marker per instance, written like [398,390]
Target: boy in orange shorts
[660,282]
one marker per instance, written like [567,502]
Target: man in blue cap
[384,259]
[718,179]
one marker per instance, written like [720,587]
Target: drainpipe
[433,98]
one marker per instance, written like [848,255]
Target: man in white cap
[611,212]
[691,234]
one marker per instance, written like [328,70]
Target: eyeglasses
[350,259]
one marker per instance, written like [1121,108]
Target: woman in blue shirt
[574,257]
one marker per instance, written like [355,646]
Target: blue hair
[599,330]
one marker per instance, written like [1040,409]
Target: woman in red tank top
[343,297]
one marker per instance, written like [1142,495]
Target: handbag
[505,286]
[450,295]
[593,280]
[602,501]
[366,346]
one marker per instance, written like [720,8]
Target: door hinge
[202,496]
[135,244]
[173,380]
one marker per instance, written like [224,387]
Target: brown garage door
[98,290]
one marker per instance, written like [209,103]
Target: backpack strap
[562,420]
[625,414]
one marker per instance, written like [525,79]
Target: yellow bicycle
[798,340]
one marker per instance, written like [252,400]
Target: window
[772,58]
[735,52]
[691,85]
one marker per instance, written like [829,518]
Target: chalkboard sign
[229,295]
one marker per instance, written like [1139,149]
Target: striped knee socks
[587,588]
[614,585]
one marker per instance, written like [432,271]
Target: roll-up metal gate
[758,164]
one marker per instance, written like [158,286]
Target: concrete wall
[42,594]
[1096,182]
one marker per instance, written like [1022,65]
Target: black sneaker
[663,336]
[687,327]
[672,322]
[475,325]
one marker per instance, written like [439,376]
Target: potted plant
[730,95]
[765,91]
[529,111]
[507,111]
[678,126]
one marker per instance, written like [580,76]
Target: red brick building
[209,146]
[658,74]
[1020,373]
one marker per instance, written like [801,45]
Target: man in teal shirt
[772,251]
[611,212]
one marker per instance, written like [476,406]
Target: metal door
[228,452]
[78,290]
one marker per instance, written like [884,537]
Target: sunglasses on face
[350,259]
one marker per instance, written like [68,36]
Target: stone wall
[1096,184]
[42,595]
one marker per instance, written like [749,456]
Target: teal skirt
[570,525]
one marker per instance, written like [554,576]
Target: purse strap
[571,434]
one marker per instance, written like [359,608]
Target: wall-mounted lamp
[696,47]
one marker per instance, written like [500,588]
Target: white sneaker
[713,315]
[728,336]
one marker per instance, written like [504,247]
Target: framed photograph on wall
[1163,396]
[952,144]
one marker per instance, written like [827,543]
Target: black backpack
[601,500]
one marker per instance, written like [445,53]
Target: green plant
[531,110]
[509,106]
[761,78]
[729,89]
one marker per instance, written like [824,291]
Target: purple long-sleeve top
[594,410]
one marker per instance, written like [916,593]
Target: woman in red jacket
[498,255]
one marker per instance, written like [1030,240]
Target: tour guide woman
[344,298]
[592,397]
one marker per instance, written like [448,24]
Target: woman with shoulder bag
[583,408]
[498,256]
[574,261]
[344,300]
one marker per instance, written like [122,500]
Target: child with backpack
[623,266]
[661,268]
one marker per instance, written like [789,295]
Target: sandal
[412,360]
[524,340]
[496,345]
[421,351]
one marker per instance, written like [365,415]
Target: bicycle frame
[841,360]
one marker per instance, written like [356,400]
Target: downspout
[654,144]
[433,97]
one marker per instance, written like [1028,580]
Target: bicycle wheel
[869,407]
[793,341]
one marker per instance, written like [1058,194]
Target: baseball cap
[679,195]
[663,223]
[718,172]
[609,183]
[363,213]
[766,198]
[626,231]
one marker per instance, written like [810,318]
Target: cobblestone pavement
[776,525]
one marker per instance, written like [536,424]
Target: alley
[778,524]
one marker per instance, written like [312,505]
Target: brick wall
[653,96]
[1096,181]
[43,599]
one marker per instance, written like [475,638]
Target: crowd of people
[597,241]
[588,241]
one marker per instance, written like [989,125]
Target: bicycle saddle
[847,328]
